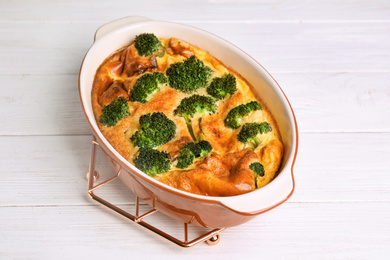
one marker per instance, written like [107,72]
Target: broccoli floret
[115,111]
[199,149]
[194,148]
[265,127]
[191,151]
[258,170]
[249,132]
[185,159]
[222,86]
[195,104]
[146,85]
[253,106]
[148,44]
[205,148]
[235,115]
[189,75]
[152,162]
[155,129]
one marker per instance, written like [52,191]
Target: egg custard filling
[184,118]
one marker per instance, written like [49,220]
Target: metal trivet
[211,237]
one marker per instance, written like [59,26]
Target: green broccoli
[265,127]
[194,148]
[205,148]
[146,85]
[249,132]
[195,104]
[222,86]
[148,44]
[258,170]
[191,151]
[115,111]
[235,115]
[156,129]
[199,149]
[185,159]
[189,75]
[152,162]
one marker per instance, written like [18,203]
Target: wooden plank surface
[309,230]
[280,47]
[209,10]
[331,58]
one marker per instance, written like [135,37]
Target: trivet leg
[211,237]
[213,240]
[95,176]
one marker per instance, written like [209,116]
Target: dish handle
[272,195]
[111,26]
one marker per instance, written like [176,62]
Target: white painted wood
[339,102]
[292,231]
[48,104]
[331,58]
[58,48]
[200,10]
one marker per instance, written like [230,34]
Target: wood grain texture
[201,10]
[309,230]
[51,48]
[331,58]
[47,104]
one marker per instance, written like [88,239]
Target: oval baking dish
[206,211]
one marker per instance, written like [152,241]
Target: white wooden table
[332,59]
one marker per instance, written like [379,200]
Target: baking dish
[206,211]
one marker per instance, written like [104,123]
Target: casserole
[206,211]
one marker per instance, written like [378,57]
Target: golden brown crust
[223,173]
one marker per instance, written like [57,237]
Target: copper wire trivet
[211,237]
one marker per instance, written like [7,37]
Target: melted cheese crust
[223,173]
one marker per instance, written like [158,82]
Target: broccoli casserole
[184,118]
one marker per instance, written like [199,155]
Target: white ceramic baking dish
[216,212]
